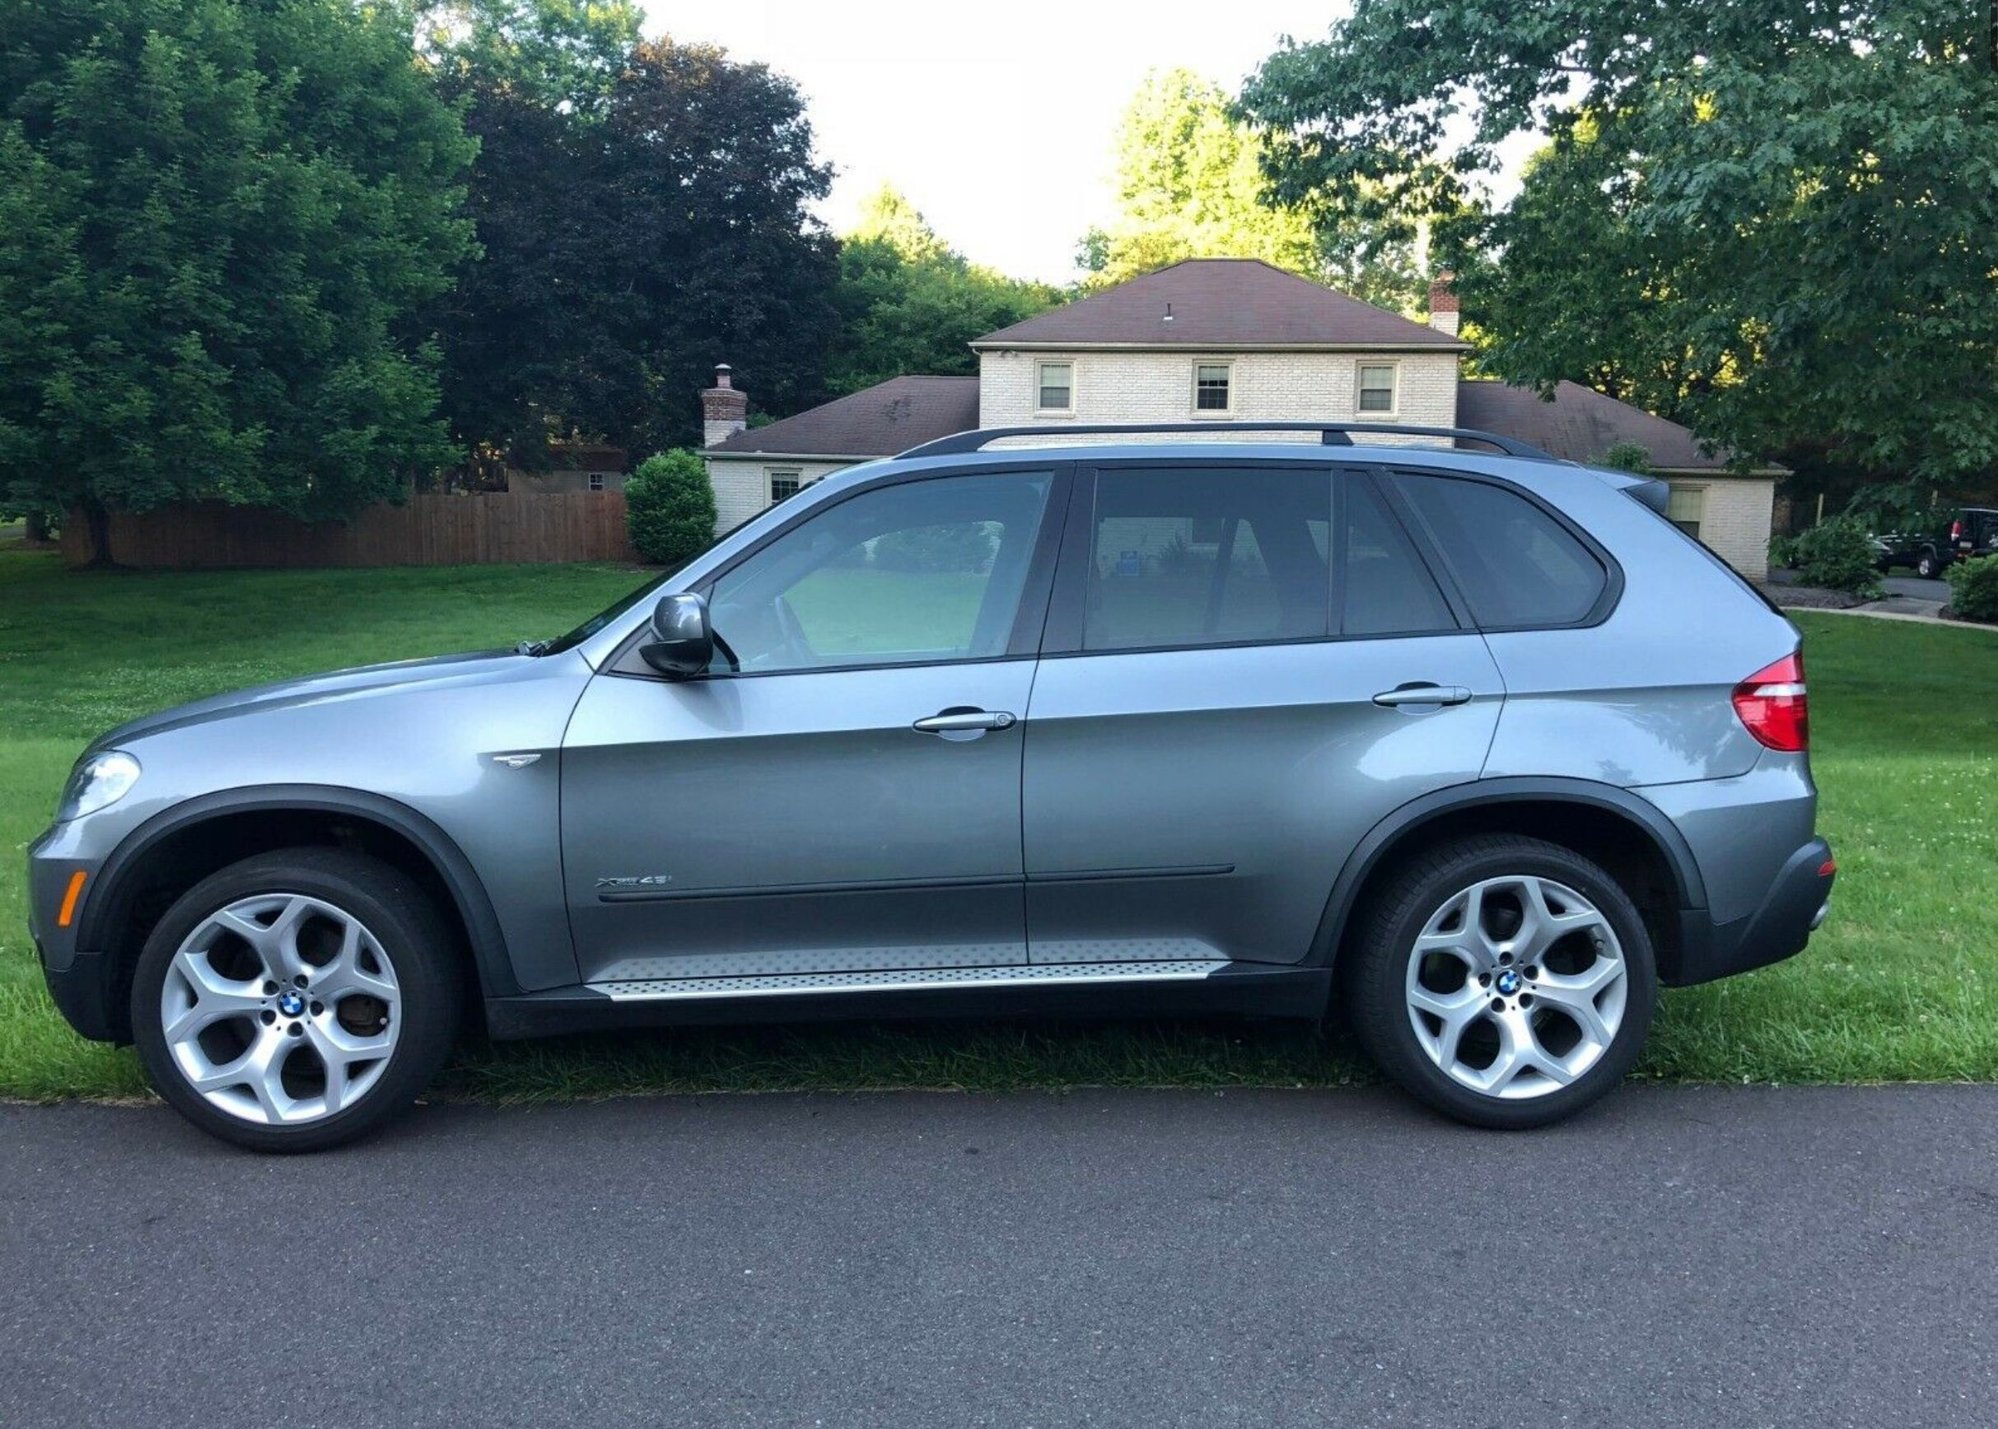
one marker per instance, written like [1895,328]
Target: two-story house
[1224,339]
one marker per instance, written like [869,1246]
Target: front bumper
[79,980]
[1796,904]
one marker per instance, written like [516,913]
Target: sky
[996,120]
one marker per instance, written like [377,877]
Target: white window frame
[1393,408]
[772,475]
[1038,365]
[597,482]
[1193,390]
[1696,490]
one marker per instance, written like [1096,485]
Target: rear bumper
[1796,904]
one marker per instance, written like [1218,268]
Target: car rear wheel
[296,1000]
[1505,981]
[1927,566]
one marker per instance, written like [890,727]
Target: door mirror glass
[683,643]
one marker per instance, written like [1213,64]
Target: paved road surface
[1681,1256]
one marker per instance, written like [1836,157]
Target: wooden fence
[505,527]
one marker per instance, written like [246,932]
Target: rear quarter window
[1514,562]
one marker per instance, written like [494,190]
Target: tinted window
[1387,589]
[1515,563]
[1190,556]
[925,570]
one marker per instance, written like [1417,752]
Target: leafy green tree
[219,220]
[559,54]
[670,507]
[1190,184]
[1773,222]
[908,302]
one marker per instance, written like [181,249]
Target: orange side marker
[69,899]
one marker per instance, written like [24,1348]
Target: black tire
[411,933]
[1393,921]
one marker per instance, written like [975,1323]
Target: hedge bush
[1837,554]
[1973,589]
[670,507]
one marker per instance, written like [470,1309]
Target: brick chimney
[724,410]
[1443,303]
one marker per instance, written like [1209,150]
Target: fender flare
[461,880]
[1691,888]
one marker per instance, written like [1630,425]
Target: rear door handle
[1421,692]
[959,721]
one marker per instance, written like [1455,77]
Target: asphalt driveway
[1681,1256]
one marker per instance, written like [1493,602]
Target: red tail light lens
[1773,707]
[1956,530]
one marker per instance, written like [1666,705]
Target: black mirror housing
[683,643]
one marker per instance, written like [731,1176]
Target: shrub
[963,547]
[1837,554]
[1633,457]
[1783,551]
[670,507]
[1973,589]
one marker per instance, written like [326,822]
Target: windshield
[611,612]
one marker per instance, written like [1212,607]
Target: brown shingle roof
[881,420]
[1219,302]
[1580,424]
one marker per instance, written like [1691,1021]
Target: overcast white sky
[996,120]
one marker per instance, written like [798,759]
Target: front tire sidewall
[410,933]
[1385,1029]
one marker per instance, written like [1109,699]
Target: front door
[843,794]
[1247,667]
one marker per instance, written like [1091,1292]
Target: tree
[634,233]
[1190,185]
[908,302]
[670,507]
[1774,222]
[220,219]
[562,55]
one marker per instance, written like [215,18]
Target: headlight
[98,782]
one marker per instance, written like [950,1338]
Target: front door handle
[960,721]
[1421,692]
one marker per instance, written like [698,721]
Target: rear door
[1247,666]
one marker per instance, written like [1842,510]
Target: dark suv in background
[1970,531]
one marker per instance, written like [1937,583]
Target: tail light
[1773,707]
[1956,530]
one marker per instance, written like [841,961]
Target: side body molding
[468,892]
[1485,793]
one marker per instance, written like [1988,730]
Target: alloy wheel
[281,1009]
[1516,986]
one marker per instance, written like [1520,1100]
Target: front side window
[1685,507]
[1377,393]
[920,571]
[1516,564]
[1056,392]
[1207,556]
[1212,384]
[783,486]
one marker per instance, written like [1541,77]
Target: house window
[1685,507]
[596,481]
[1377,393]
[1055,390]
[1212,386]
[783,486]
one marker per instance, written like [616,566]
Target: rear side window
[1516,565]
[1207,556]
[1386,588]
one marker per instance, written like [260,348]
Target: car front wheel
[1505,981]
[296,1000]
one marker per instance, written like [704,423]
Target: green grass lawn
[1902,984]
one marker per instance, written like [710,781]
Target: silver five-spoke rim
[281,1009]
[1516,986]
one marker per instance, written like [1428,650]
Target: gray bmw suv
[1476,750]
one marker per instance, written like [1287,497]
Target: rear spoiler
[1647,489]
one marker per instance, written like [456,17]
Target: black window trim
[1418,530]
[1069,602]
[1022,643]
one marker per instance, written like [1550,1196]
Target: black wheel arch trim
[1483,793]
[468,892]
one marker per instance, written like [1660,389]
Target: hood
[355,684]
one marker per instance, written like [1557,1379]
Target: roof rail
[1331,434]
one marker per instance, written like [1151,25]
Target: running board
[693,989]
[1181,987]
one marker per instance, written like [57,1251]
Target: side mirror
[683,643]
